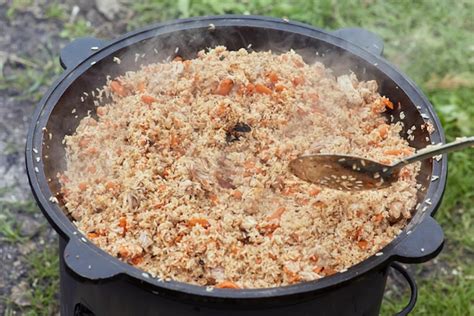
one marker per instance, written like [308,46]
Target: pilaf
[184,173]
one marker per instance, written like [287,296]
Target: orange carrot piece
[123,224]
[237,194]
[137,259]
[362,244]
[178,238]
[277,214]
[250,88]
[118,89]
[82,186]
[111,185]
[319,204]
[387,103]
[148,99]
[123,252]
[178,59]
[267,230]
[92,235]
[273,77]
[393,152]
[397,152]
[227,285]
[279,88]
[224,87]
[314,192]
[377,218]
[292,276]
[198,221]
[234,249]
[260,88]
[329,271]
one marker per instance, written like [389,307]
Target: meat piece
[346,85]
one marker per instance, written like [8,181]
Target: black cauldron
[95,283]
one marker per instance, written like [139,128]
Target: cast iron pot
[95,283]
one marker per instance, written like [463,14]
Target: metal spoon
[349,173]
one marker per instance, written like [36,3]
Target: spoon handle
[437,150]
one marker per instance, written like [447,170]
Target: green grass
[43,278]
[43,285]
[9,229]
[27,78]
[9,226]
[432,41]
[76,29]
[56,11]
[18,5]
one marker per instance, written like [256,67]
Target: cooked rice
[187,179]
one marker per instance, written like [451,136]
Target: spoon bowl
[350,173]
[343,172]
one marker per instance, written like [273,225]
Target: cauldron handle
[88,261]
[78,50]
[422,243]
[413,289]
[362,38]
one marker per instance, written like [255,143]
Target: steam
[165,43]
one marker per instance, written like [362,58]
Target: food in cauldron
[183,173]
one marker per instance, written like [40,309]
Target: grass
[431,41]
[43,284]
[18,5]
[9,227]
[446,292]
[43,277]
[27,77]
[55,11]
[76,29]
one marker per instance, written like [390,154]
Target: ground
[432,41]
